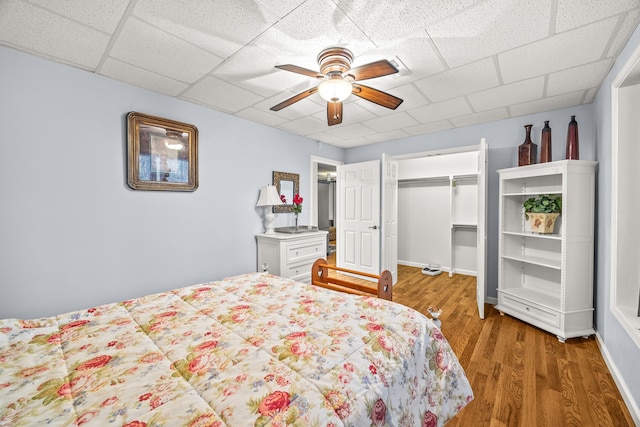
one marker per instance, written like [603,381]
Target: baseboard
[632,405]
[491,300]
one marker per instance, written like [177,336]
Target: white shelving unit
[463,199]
[547,279]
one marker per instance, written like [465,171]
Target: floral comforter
[251,350]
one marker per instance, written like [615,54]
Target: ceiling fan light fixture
[335,90]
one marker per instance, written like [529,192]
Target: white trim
[443,151]
[313,185]
[623,319]
[632,406]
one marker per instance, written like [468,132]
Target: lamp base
[268,221]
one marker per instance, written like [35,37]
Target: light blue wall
[623,351]
[503,138]
[73,235]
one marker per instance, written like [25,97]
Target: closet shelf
[460,225]
[440,178]
[530,193]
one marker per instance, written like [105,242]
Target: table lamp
[269,197]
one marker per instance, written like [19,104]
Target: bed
[250,350]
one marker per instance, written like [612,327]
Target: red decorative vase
[527,150]
[545,143]
[572,140]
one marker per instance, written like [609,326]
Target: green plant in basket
[545,203]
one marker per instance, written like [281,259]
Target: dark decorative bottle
[527,150]
[545,143]
[572,140]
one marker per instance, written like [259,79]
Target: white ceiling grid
[461,62]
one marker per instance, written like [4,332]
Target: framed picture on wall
[162,154]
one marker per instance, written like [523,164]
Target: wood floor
[520,375]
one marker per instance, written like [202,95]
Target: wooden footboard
[381,289]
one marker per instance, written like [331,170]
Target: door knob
[373,227]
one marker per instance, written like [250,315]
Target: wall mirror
[287,184]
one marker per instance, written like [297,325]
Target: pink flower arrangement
[297,203]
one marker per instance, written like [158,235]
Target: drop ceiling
[461,62]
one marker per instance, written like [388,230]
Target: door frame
[313,185]
[481,282]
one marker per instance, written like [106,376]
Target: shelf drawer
[306,250]
[530,309]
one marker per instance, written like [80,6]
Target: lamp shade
[334,90]
[269,196]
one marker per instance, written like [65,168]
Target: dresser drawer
[299,272]
[537,312]
[311,249]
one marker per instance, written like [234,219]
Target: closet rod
[426,179]
[441,178]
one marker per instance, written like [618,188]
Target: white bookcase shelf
[547,279]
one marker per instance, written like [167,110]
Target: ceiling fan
[339,81]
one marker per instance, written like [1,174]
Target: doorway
[322,200]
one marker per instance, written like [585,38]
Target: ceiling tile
[483,117]
[388,136]
[304,125]
[385,21]
[391,122]
[261,116]
[590,96]
[306,107]
[149,48]
[436,126]
[220,95]
[503,96]
[441,110]
[356,142]
[459,81]
[547,104]
[103,16]
[350,131]
[577,78]
[37,30]
[142,78]
[416,54]
[326,137]
[316,25]
[220,27]
[490,27]
[411,96]
[352,113]
[252,68]
[576,13]
[557,53]
[624,32]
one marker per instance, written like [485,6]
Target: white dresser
[291,255]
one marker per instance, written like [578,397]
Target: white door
[389,214]
[358,225]
[481,279]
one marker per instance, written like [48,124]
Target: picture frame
[288,185]
[162,154]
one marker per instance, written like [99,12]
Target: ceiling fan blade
[334,113]
[376,96]
[373,69]
[301,70]
[294,99]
